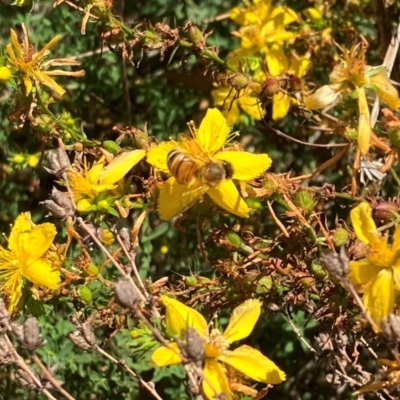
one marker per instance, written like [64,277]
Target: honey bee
[187,167]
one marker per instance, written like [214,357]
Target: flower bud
[33,160]
[304,201]
[340,237]
[233,238]
[5,74]
[264,285]
[385,211]
[317,269]
[85,294]
[394,137]
[239,81]
[92,270]
[195,35]
[270,86]
[111,147]
[270,184]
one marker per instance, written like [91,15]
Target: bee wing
[176,198]
[189,146]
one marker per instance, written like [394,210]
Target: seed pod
[125,293]
[264,285]
[31,330]
[385,211]
[340,237]
[270,86]
[336,264]
[83,337]
[295,83]
[58,161]
[391,328]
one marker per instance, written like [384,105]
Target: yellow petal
[396,274]
[37,242]
[15,42]
[28,84]
[364,123]
[157,156]
[363,224]
[386,91]
[215,381]
[362,272]
[120,166]
[379,296]
[396,240]
[43,52]
[42,273]
[21,226]
[94,173]
[245,166]
[254,364]
[13,288]
[45,80]
[180,317]
[213,131]
[242,321]
[251,106]
[288,14]
[323,97]
[164,356]
[176,198]
[300,66]
[227,197]
[276,60]
[280,105]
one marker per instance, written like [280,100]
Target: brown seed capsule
[32,339]
[125,293]
[270,86]
[391,328]
[385,211]
[295,83]
[336,264]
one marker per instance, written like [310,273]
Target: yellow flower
[232,100]
[245,359]
[263,24]
[88,185]
[378,275]
[32,66]
[24,258]
[278,65]
[205,150]
[352,73]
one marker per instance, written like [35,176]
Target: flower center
[215,344]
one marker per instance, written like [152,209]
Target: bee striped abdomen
[181,166]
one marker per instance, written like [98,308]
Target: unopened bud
[391,328]
[195,35]
[270,184]
[317,270]
[264,285]
[31,330]
[111,147]
[85,294]
[336,264]
[58,161]
[295,83]
[394,137]
[385,211]
[125,293]
[304,201]
[233,239]
[340,237]
[5,74]
[239,81]
[270,86]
